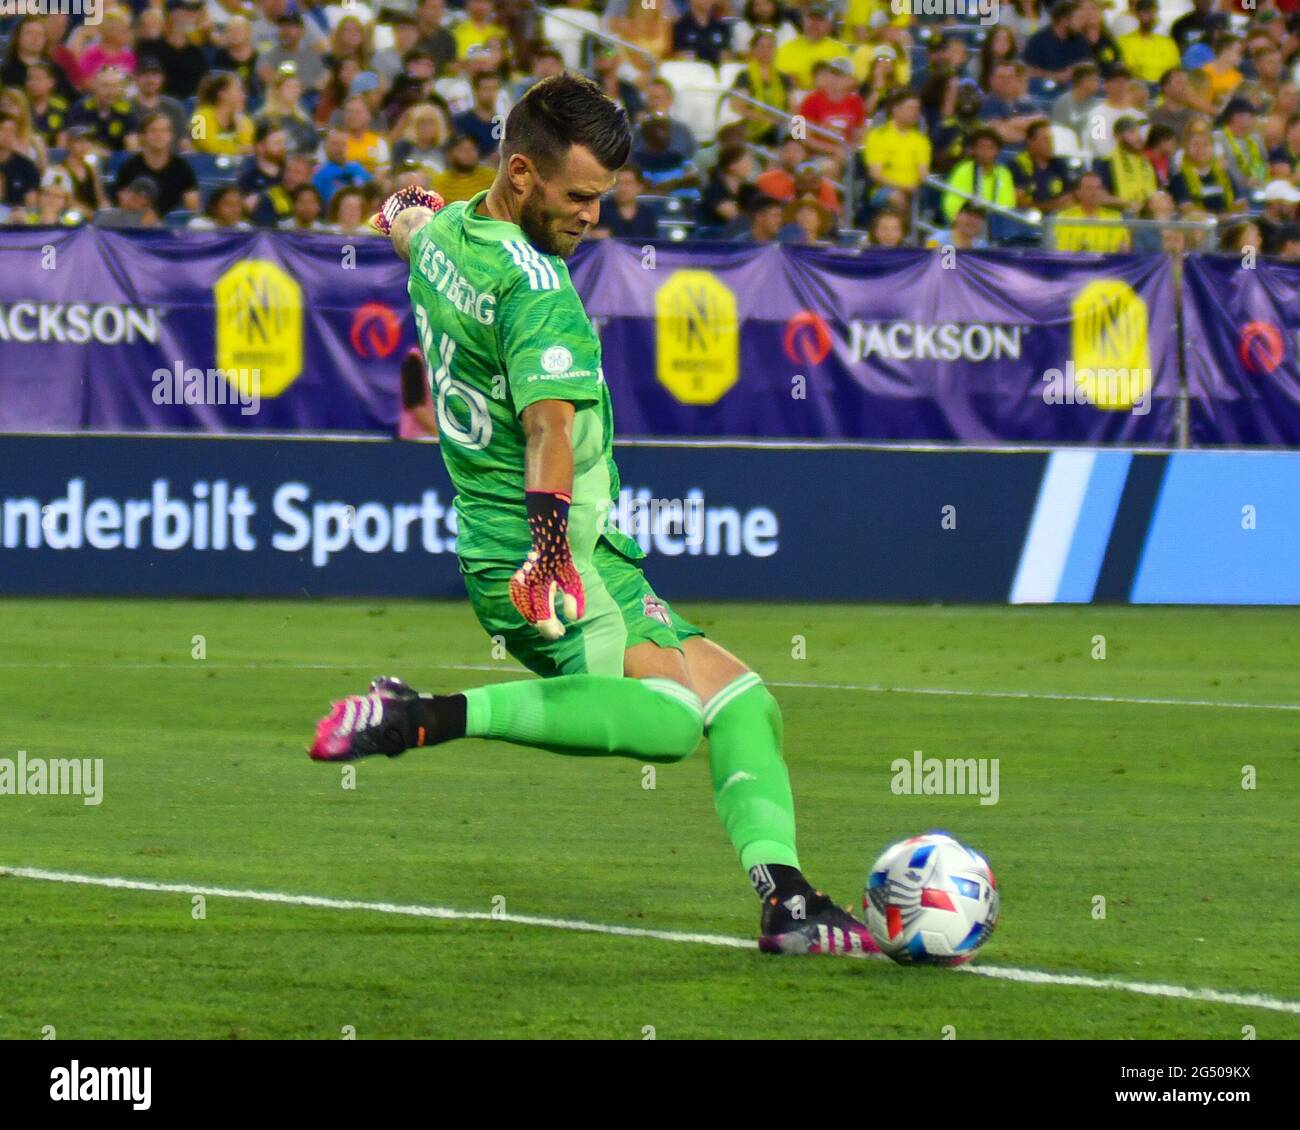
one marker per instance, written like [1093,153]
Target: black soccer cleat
[382,721]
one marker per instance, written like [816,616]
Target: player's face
[558,212]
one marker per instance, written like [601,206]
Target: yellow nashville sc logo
[259,324]
[1111,345]
[697,334]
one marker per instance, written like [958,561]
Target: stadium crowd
[845,117]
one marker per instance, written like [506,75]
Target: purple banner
[1243,350]
[159,331]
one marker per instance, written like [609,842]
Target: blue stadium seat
[55,156]
[675,209]
[1045,88]
[178,217]
[115,161]
[213,169]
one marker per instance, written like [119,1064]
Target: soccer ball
[930,900]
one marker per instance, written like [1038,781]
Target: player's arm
[405,226]
[548,455]
[405,213]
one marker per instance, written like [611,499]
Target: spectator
[264,167]
[1241,236]
[699,34]
[479,27]
[796,57]
[1153,241]
[1073,109]
[184,62]
[947,132]
[1117,104]
[308,63]
[1006,110]
[1081,237]
[457,88]
[1273,125]
[30,142]
[762,82]
[49,109]
[28,45]
[83,169]
[1269,83]
[1024,17]
[765,220]
[465,176]
[966,233]
[337,170]
[1223,70]
[389,62]
[364,146]
[107,111]
[1052,51]
[897,154]
[881,79]
[664,168]
[835,105]
[888,229]
[647,26]
[1128,173]
[1245,154]
[659,100]
[112,49]
[1042,179]
[338,85]
[422,137]
[480,121]
[951,53]
[1194,25]
[757,15]
[981,175]
[21,177]
[720,203]
[238,56]
[224,212]
[1285,159]
[175,185]
[219,124]
[137,207]
[1279,198]
[1105,51]
[275,203]
[1202,182]
[54,202]
[1161,145]
[1290,240]
[1173,108]
[806,221]
[1147,53]
[624,216]
[348,212]
[306,212]
[607,61]
[283,109]
[149,98]
[435,36]
[349,40]
[547,61]
[999,46]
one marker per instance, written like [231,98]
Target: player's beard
[540,227]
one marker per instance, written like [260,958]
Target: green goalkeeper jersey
[502,327]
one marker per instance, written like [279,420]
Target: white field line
[1002,973]
[513,669]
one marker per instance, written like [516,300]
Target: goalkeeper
[526,426]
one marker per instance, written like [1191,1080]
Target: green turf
[207,783]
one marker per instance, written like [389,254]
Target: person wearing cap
[112,49]
[1089,192]
[172,176]
[1006,110]
[762,82]
[292,46]
[765,218]
[897,154]
[1128,173]
[1099,136]
[1224,69]
[266,34]
[107,111]
[981,175]
[1202,181]
[184,62]
[478,28]
[796,57]
[149,98]
[465,175]
[138,205]
[284,110]
[53,203]
[219,124]
[835,105]
[1279,198]
[1042,179]
[1058,46]
[700,35]
[1244,151]
[1147,53]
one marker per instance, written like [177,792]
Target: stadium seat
[672,209]
[697,96]
[559,31]
[729,72]
[1044,88]
[115,161]
[55,156]
[213,169]
[178,217]
[1065,142]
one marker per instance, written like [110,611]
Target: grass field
[207,784]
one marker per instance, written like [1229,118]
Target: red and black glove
[549,568]
[411,197]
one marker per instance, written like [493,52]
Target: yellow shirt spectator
[798,56]
[864,58]
[453,186]
[903,155]
[859,14]
[1080,238]
[369,150]
[208,136]
[1148,56]
[468,34]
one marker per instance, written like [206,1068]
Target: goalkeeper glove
[411,197]
[549,568]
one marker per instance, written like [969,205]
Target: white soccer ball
[930,900]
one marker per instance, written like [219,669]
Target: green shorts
[621,610]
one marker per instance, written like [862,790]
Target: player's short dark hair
[563,111]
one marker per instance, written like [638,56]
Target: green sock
[751,787]
[647,719]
